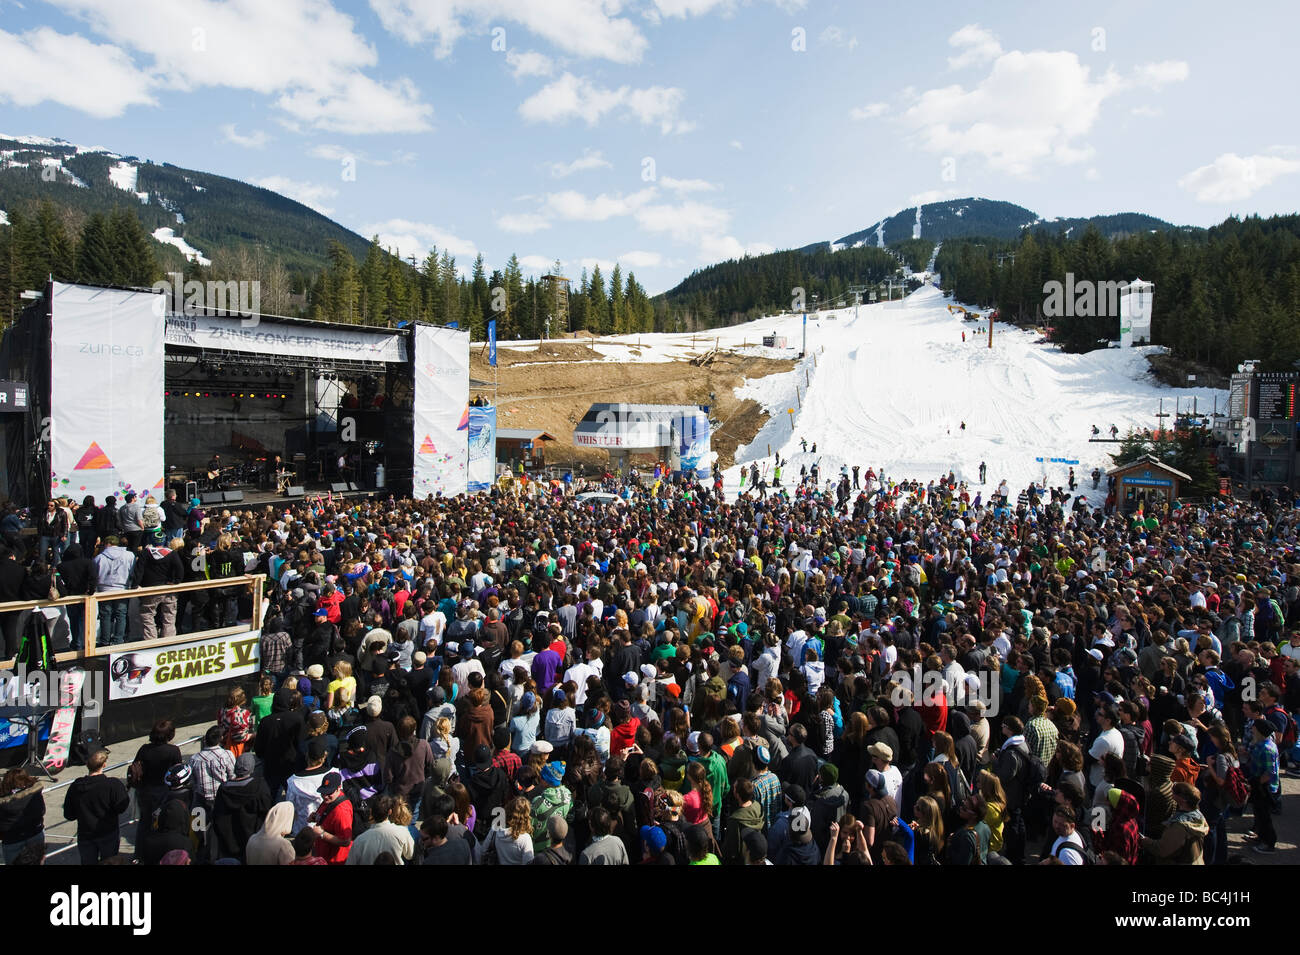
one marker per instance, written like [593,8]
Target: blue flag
[492,342]
[453,324]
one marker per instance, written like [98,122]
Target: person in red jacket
[622,734]
[331,599]
[331,822]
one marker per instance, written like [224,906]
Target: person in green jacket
[555,800]
[716,766]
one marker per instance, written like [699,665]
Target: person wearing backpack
[1068,849]
[1224,787]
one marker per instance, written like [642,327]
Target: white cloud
[308,193]
[529,63]
[684,186]
[43,66]
[641,260]
[737,145]
[254,140]
[688,8]
[931,195]
[1145,111]
[417,238]
[1283,150]
[588,160]
[1030,108]
[585,28]
[1231,177]
[1092,175]
[835,36]
[684,221]
[717,248]
[606,266]
[977,46]
[304,52]
[522,223]
[574,206]
[1156,75]
[870,111]
[682,9]
[573,97]
[537,263]
[359,104]
[339,154]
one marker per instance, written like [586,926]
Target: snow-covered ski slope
[890,389]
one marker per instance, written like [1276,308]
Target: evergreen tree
[95,263]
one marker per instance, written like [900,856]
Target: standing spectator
[149,771]
[383,836]
[211,766]
[52,529]
[114,569]
[96,802]
[159,567]
[270,845]
[239,810]
[22,813]
[236,722]
[1260,761]
[331,823]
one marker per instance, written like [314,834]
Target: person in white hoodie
[304,787]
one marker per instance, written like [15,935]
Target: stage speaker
[191,490]
[213,498]
[352,486]
[338,487]
[232,497]
[297,490]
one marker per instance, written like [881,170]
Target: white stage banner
[106,392]
[269,337]
[441,463]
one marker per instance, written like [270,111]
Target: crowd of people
[675,678]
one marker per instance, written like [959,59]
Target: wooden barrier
[90,607]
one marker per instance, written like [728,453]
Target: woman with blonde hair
[927,825]
[341,694]
[513,845]
[443,743]
[995,807]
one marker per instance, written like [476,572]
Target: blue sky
[670,134]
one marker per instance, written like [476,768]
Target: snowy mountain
[191,213]
[984,217]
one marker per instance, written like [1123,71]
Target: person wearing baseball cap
[331,822]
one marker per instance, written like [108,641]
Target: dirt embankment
[552,388]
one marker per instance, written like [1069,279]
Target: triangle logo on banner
[464,420]
[94,459]
[426,447]
[162,483]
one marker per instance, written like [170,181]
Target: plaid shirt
[767,793]
[509,762]
[211,768]
[1041,736]
[275,652]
